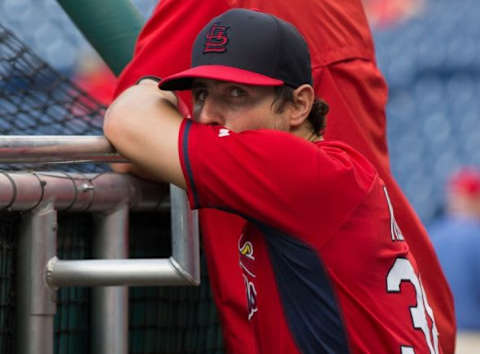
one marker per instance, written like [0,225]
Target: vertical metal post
[36,305]
[185,235]
[110,304]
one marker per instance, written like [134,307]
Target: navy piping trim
[188,166]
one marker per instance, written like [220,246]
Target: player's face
[235,106]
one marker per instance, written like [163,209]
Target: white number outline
[402,270]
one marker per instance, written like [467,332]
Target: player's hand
[153,83]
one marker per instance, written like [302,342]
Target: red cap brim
[183,80]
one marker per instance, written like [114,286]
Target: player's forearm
[133,169]
[143,124]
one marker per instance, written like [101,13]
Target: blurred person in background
[386,13]
[456,237]
[93,76]
[346,75]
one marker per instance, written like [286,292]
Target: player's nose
[209,113]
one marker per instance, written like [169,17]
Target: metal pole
[46,148]
[113,272]
[110,304]
[185,234]
[36,305]
[183,268]
[79,192]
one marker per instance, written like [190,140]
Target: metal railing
[39,195]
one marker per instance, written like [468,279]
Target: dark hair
[316,117]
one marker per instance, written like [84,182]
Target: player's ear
[303,98]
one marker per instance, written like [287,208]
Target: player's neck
[306,132]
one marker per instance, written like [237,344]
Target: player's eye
[235,91]
[200,95]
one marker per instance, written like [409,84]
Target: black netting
[37,100]
[72,320]
[162,320]
[8,227]
[173,320]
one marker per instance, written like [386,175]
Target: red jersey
[346,76]
[325,266]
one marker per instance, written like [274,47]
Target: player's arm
[143,125]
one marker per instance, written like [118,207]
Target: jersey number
[402,270]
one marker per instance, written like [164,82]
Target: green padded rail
[110,26]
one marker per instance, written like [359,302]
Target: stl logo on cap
[216,39]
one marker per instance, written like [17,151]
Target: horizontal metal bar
[124,272]
[57,148]
[79,192]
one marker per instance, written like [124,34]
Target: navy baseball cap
[246,47]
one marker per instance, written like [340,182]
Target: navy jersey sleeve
[272,177]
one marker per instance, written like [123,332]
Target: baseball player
[345,74]
[325,266]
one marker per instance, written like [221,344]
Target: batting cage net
[37,100]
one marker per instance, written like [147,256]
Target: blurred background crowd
[429,52]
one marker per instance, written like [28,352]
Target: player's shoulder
[346,157]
